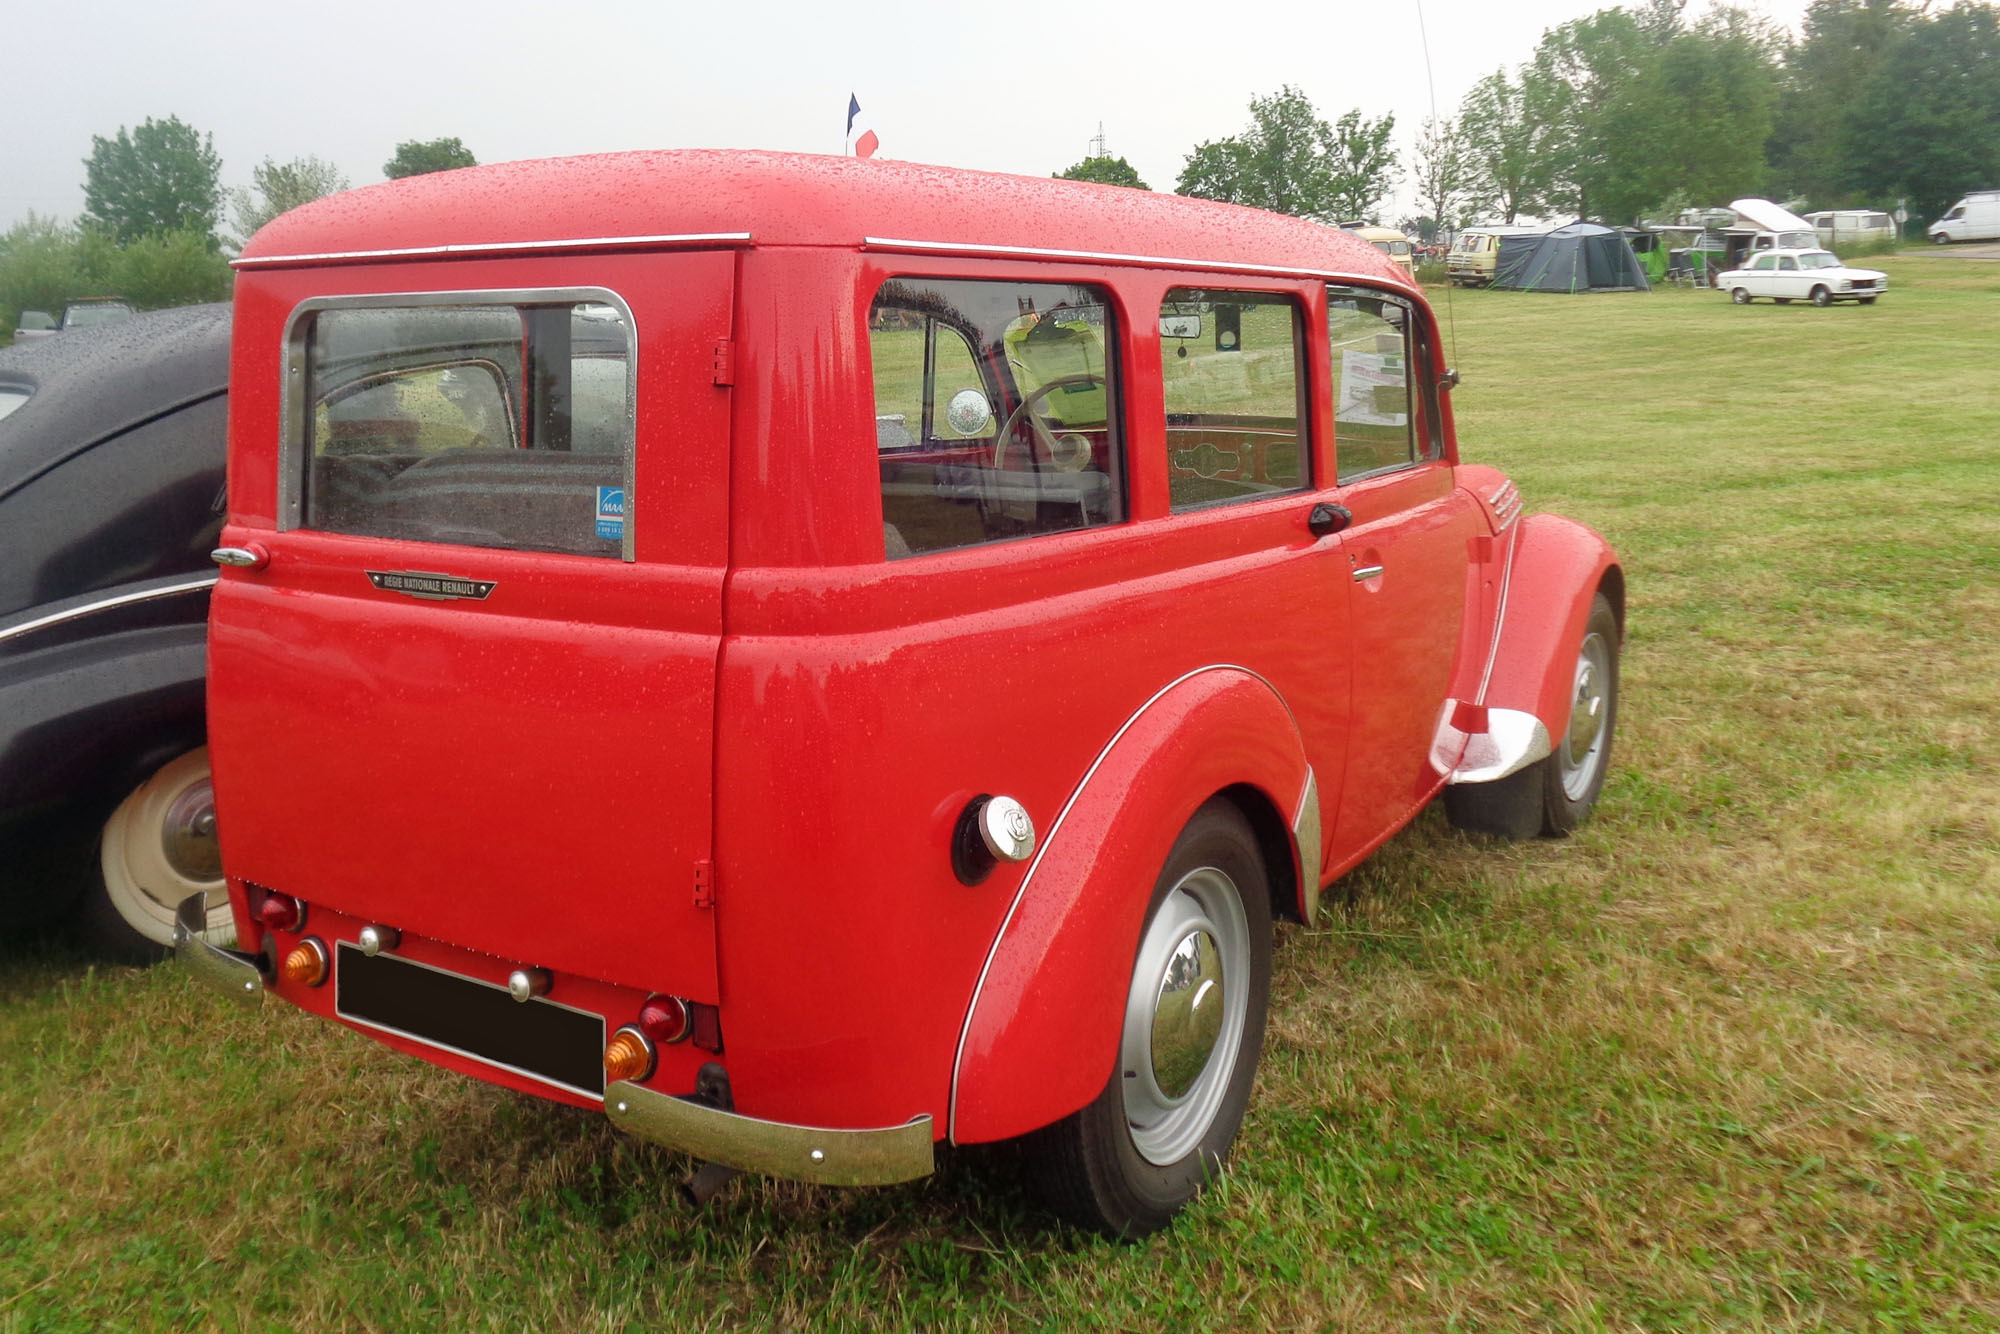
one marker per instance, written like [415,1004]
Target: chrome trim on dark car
[91,607]
[800,1153]
[235,974]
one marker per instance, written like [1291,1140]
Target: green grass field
[1727,1058]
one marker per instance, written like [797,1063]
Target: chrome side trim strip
[800,1153]
[199,581]
[1076,794]
[235,974]
[1099,256]
[1499,617]
[478,248]
[1305,833]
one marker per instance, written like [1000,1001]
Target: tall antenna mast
[1097,144]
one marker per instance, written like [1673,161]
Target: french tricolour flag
[861,140]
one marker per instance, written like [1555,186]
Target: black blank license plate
[472,1018]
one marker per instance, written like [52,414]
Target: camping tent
[1582,257]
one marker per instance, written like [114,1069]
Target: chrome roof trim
[105,604]
[1076,794]
[977,249]
[475,249]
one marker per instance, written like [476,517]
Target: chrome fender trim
[800,1153]
[1512,741]
[235,974]
[1305,834]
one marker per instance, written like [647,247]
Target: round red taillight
[281,912]
[665,1019]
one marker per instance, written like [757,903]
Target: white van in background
[1852,226]
[1973,218]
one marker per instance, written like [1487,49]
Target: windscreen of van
[487,424]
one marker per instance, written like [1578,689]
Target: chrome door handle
[251,557]
[1366,572]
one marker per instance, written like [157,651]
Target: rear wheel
[158,847]
[1740,295]
[1187,1054]
[1554,794]
[1821,297]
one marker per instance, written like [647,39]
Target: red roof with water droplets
[798,199]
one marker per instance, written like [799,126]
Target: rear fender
[1041,1032]
[1557,570]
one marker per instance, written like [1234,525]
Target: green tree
[1291,161]
[1361,166]
[1441,174]
[1578,87]
[160,177]
[279,188]
[1104,171]
[1926,126]
[418,157]
[1839,54]
[170,269]
[1506,149]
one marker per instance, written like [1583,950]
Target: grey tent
[1582,257]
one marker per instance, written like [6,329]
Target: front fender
[1041,1032]
[1558,567]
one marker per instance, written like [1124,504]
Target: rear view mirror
[1180,326]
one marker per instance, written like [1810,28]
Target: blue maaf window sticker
[611,512]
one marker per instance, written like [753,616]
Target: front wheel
[1187,1052]
[1821,297]
[1939,238]
[1740,295]
[158,847]
[1554,794]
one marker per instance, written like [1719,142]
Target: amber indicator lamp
[307,964]
[628,1056]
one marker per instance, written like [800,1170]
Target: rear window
[474,421]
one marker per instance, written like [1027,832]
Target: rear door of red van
[469,690]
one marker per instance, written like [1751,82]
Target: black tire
[1126,1163]
[1821,297]
[1939,238]
[1553,795]
[1740,295]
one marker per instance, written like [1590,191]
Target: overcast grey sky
[1019,87]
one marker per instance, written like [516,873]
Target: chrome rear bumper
[235,974]
[800,1153]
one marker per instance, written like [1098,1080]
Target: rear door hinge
[704,884]
[725,361]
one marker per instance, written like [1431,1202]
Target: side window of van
[996,411]
[1382,417]
[1234,396]
[482,424]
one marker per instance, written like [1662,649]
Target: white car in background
[1817,276]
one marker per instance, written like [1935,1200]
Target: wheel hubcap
[1583,746]
[1184,1015]
[187,833]
[1187,1016]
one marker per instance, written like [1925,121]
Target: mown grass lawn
[1727,1058]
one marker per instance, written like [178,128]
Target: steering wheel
[1036,426]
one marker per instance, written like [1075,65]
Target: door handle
[248,557]
[1326,520]
[1366,572]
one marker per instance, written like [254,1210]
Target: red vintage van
[822,657]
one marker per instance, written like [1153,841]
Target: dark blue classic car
[111,497]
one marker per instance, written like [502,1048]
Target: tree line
[1639,112]
[153,225]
